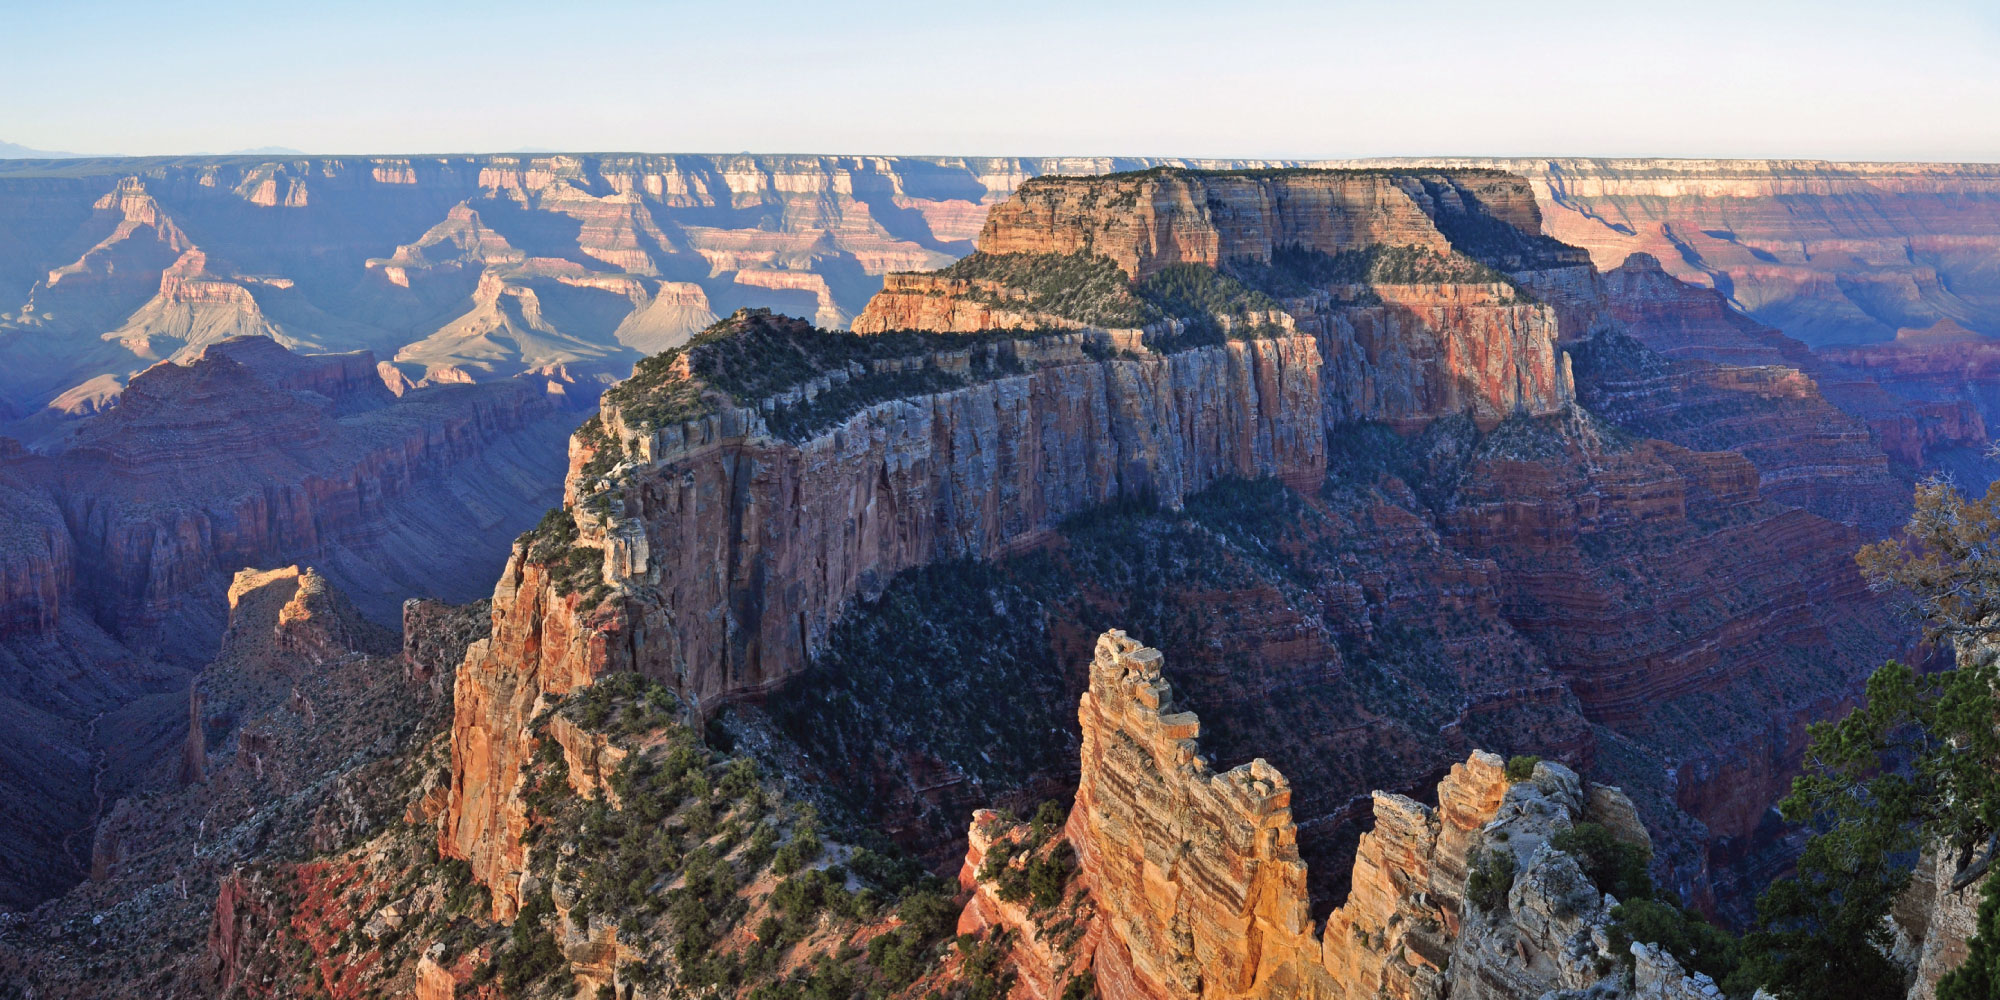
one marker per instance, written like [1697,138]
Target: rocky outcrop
[1196,872]
[1199,890]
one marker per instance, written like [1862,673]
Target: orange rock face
[1196,873]
[1199,890]
[949,305]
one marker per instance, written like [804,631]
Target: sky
[1908,80]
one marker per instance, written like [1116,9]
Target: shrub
[1048,876]
[1491,878]
[532,953]
[803,849]
[1616,867]
[1697,944]
[1521,767]
[1049,817]
[1085,287]
[1081,986]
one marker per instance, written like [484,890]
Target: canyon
[453,268]
[1398,465]
[482,266]
[728,508]
[123,542]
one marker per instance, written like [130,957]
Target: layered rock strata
[731,550]
[717,532]
[1150,220]
[1199,890]
[1396,350]
[120,546]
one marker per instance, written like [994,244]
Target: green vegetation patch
[701,844]
[1613,865]
[1085,287]
[572,566]
[1295,271]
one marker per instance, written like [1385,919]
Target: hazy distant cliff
[120,546]
[457,266]
[1830,253]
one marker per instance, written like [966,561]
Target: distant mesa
[16,151]
[1944,331]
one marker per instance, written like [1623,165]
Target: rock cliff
[728,551]
[1198,889]
[1422,333]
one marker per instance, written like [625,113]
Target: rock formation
[749,546]
[735,497]
[1198,888]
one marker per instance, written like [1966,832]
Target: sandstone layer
[1152,219]
[1199,890]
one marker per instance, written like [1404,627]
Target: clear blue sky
[1881,80]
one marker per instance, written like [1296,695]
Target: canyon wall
[250,454]
[732,551]
[121,545]
[715,533]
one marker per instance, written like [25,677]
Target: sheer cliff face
[732,551]
[1417,346]
[1153,220]
[1157,218]
[1198,890]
